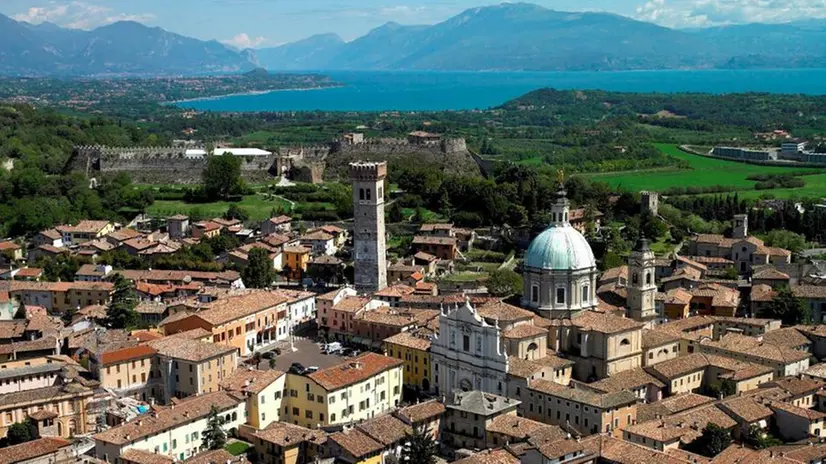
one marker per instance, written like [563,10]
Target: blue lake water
[422,91]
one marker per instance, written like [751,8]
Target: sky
[267,23]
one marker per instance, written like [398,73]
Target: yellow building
[85,231]
[127,371]
[296,258]
[263,391]
[190,367]
[355,447]
[282,443]
[357,389]
[414,350]
[58,411]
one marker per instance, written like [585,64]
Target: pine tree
[121,313]
[259,272]
[214,436]
[420,447]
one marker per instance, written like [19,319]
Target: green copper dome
[560,248]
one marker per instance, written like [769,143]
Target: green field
[257,206]
[708,172]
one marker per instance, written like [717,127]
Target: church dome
[560,248]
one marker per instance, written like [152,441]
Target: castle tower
[642,287]
[369,245]
[741,226]
[650,202]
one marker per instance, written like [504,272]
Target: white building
[560,270]
[467,354]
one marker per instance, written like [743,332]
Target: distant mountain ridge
[124,47]
[512,36]
[521,36]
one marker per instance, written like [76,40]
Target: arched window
[624,342]
[534,293]
[361,194]
[560,296]
[368,193]
[648,278]
[235,416]
[533,347]
[635,278]
[586,293]
[553,217]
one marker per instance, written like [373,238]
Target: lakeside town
[663,358]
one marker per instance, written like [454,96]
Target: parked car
[311,369]
[269,355]
[297,368]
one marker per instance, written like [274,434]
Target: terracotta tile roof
[236,307]
[430,240]
[656,338]
[581,395]
[435,226]
[425,411]
[421,255]
[809,291]
[410,340]
[29,272]
[688,324]
[790,337]
[52,234]
[351,304]
[671,405]
[250,381]
[689,273]
[501,311]
[525,331]
[806,454]
[604,322]
[126,354]
[737,370]
[770,273]
[614,274]
[318,235]
[32,449]
[125,234]
[557,450]
[85,226]
[518,428]
[395,291]
[710,260]
[386,429]
[795,385]
[353,371]
[679,366]
[189,349]
[746,409]
[280,220]
[285,434]
[326,260]
[137,456]
[166,418]
[45,394]
[686,427]
[627,380]
[220,456]
[752,347]
[52,249]
[690,262]
[495,456]
[809,414]
[12,329]
[356,443]
[618,451]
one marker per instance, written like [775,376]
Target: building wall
[416,364]
[369,234]
[527,348]
[793,427]
[265,407]
[128,375]
[310,405]
[181,442]
[659,354]
[686,383]
[585,418]
[71,410]
[467,430]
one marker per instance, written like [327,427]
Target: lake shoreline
[252,93]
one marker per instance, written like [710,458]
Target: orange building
[296,258]
[246,321]
[206,229]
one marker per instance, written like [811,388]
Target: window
[295,412]
[308,414]
[586,293]
[361,194]
[535,293]
[479,343]
[466,342]
[624,342]
[648,278]
[560,296]
[332,417]
[367,193]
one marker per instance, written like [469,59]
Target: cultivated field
[709,172]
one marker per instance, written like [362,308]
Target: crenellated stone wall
[312,163]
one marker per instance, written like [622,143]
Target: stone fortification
[315,163]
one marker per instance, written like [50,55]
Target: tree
[121,313]
[786,239]
[759,438]
[222,177]
[21,311]
[21,432]
[788,308]
[713,440]
[236,212]
[504,282]
[420,447]
[214,436]
[272,363]
[395,213]
[259,272]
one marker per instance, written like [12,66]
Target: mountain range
[513,36]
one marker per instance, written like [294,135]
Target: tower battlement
[368,171]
